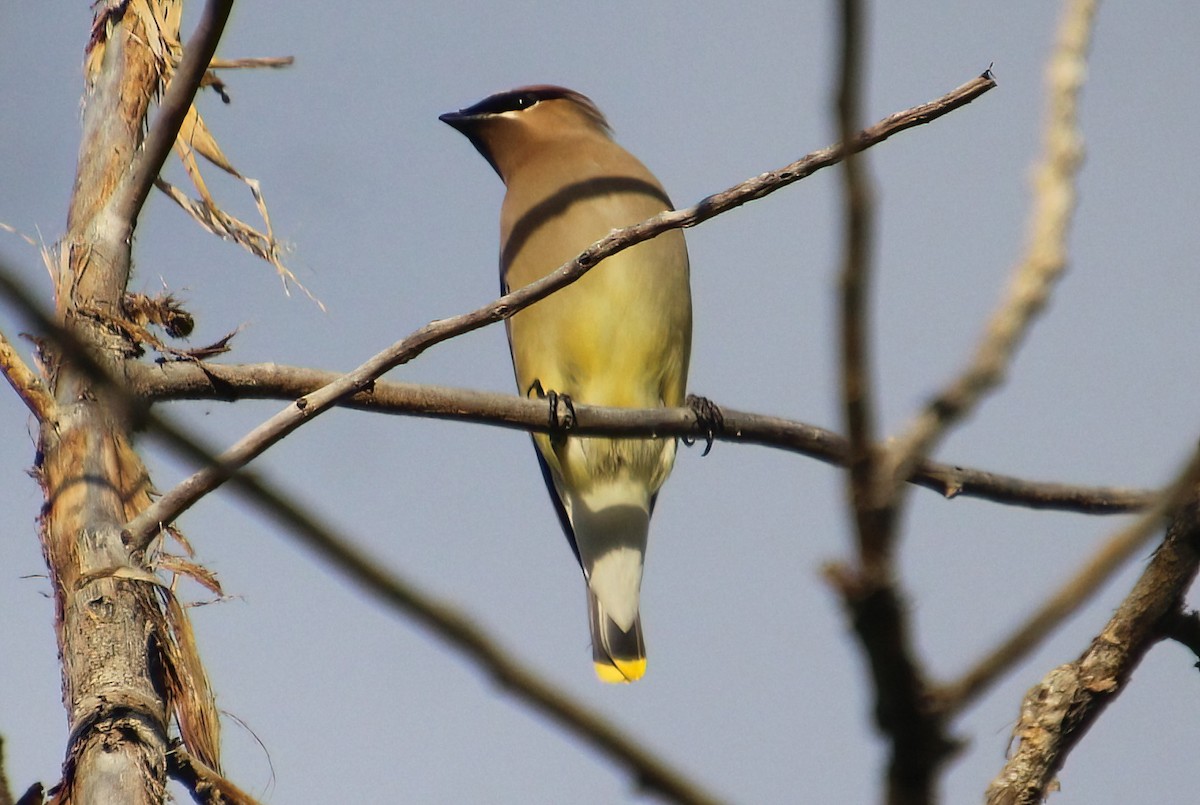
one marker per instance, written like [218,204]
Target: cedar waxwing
[620,336]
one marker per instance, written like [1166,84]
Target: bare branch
[903,711]
[176,102]
[208,381]
[186,380]
[214,82]
[1059,710]
[952,481]
[1068,600]
[180,380]
[25,382]
[1045,259]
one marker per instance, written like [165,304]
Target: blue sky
[754,687]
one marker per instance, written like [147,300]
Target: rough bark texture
[108,621]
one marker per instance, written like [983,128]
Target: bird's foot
[709,421]
[560,422]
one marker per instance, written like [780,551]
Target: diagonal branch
[1068,600]
[457,629]
[1045,259]
[1058,711]
[25,382]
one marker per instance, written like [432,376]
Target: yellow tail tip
[621,671]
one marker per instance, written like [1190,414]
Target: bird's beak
[466,123]
[460,120]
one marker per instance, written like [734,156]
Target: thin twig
[1044,262]
[1007,489]
[1059,710]
[25,382]
[1077,591]
[177,100]
[186,380]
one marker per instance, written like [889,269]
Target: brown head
[507,126]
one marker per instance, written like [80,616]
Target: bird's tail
[609,522]
[619,655]
[610,527]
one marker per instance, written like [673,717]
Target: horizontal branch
[183,380]
[273,62]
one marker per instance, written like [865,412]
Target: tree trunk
[109,623]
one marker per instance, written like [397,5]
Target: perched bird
[620,336]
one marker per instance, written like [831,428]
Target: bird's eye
[506,102]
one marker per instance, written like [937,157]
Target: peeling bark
[108,623]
